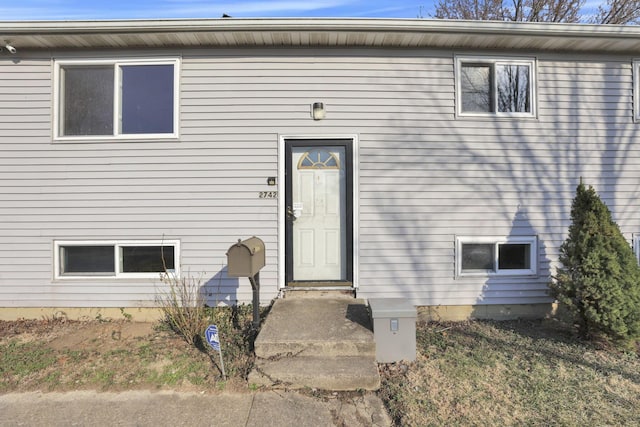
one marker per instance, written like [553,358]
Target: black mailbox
[245,258]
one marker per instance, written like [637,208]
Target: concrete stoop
[335,373]
[324,343]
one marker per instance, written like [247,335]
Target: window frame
[58,98]
[117,245]
[531,62]
[497,241]
[636,90]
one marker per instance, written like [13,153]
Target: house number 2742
[268,195]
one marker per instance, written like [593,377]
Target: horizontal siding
[425,176]
[483,177]
[204,193]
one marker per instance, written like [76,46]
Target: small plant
[127,316]
[237,337]
[599,282]
[182,304]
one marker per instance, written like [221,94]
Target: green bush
[599,281]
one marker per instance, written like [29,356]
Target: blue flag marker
[212,337]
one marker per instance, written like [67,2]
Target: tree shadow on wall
[220,289]
[502,289]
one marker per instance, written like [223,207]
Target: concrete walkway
[145,408]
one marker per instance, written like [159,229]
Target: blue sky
[150,9]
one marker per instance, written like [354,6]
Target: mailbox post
[245,259]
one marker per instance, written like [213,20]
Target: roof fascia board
[319,24]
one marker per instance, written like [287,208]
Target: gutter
[380,25]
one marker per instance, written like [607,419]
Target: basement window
[496,256]
[132,259]
[107,99]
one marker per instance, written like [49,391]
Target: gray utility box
[394,329]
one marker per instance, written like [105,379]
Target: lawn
[466,373]
[512,373]
[114,355]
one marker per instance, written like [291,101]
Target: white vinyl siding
[424,176]
[424,183]
[202,190]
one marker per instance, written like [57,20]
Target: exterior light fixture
[12,50]
[317,111]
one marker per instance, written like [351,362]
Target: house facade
[433,161]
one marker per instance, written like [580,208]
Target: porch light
[318,111]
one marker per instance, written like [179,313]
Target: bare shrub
[183,305]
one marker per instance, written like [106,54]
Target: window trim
[58,115]
[117,245]
[636,90]
[497,241]
[493,61]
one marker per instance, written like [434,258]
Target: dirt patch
[25,331]
[62,334]
[92,336]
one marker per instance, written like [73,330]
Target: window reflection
[495,87]
[476,88]
[513,88]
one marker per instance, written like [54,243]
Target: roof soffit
[369,33]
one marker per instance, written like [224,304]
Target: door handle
[290,214]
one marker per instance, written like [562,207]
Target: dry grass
[512,373]
[60,355]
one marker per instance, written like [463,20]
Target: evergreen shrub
[599,281]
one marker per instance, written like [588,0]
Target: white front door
[318,213]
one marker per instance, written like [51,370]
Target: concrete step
[315,293]
[336,373]
[316,327]
[323,348]
[324,343]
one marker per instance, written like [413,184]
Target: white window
[120,259]
[496,87]
[109,99]
[496,255]
[636,89]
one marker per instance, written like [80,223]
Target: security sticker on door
[297,209]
